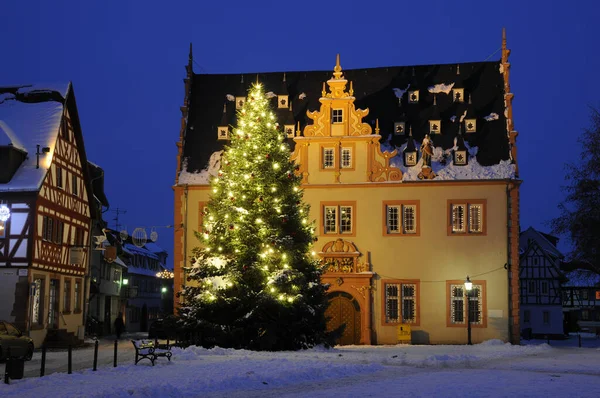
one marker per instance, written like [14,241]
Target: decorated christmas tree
[253,282]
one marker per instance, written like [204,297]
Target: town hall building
[412,177]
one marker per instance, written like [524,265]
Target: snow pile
[201,177]
[491,116]
[270,95]
[441,88]
[302,96]
[343,371]
[230,97]
[399,93]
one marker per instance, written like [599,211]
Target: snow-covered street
[491,369]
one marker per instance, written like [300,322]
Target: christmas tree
[253,282]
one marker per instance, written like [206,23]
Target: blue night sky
[126,61]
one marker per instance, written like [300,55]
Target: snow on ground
[489,369]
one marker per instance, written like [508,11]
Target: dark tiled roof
[373,89]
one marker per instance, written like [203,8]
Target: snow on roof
[133,249]
[440,88]
[120,262]
[472,171]
[154,248]
[201,177]
[27,125]
[582,278]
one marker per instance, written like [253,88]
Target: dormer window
[413,97]
[239,102]
[289,130]
[337,116]
[460,157]
[435,127]
[470,125]
[223,133]
[458,94]
[399,128]
[282,101]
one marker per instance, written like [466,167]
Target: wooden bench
[148,349]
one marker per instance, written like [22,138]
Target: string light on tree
[272,298]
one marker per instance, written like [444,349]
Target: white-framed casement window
[346,158]
[401,302]
[328,158]
[338,218]
[337,116]
[460,301]
[401,218]
[466,217]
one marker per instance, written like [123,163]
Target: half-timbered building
[541,278]
[412,178]
[45,192]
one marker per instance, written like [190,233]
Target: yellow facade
[431,258]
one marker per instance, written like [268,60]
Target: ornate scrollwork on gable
[341,256]
[337,98]
[380,169]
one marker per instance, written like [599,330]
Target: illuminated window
[467,217]
[401,218]
[338,218]
[328,158]
[346,158]
[2,229]
[460,301]
[401,302]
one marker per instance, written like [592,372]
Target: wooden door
[344,309]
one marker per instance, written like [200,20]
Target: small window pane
[409,219]
[330,219]
[393,215]
[391,293]
[328,158]
[346,158]
[346,219]
[475,212]
[458,218]
[336,116]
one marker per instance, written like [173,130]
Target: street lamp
[468,287]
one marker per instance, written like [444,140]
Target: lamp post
[468,287]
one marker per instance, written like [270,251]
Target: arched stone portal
[344,310]
[349,290]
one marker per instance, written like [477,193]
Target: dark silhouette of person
[119,325]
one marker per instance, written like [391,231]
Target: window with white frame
[467,217]
[67,296]
[337,116]
[346,158]
[401,218]
[338,219]
[328,158]
[461,301]
[401,302]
